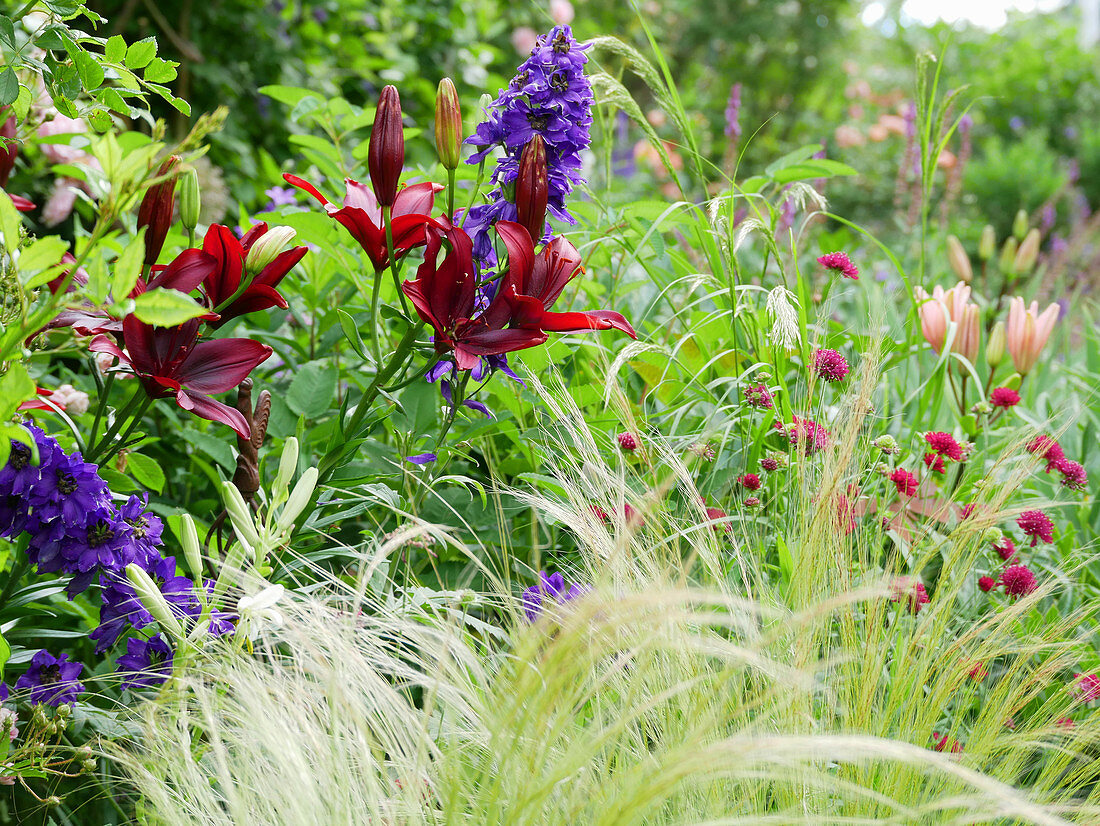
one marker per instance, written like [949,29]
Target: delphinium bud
[386,151]
[533,188]
[448,125]
[190,200]
[155,212]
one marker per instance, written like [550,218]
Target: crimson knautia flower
[51,680]
[945,743]
[769,463]
[717,517]
[910,591]
[627,441]
[1046,447]
[550,587]
[223,284]
[170,361]
[978,671]
[944,444]
[749,481]
[1037,525]
[1086,687]
[752,502]
[1018,580]
[830,365]
[361,215]
[904,481]
[758,395]
[1004,397]
[934,462]
[1074,475]
[806,434]
[1005,548]
[839,262]
[146,663]
[986,583]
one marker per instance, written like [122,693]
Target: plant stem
[386,214]
[95,450]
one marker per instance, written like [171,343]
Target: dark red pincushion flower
[223,285]
[910,591]
[752,502]
[968,511]
[749,481]
[716,515]
[830,365]
[1004,397]
[934,462]
[361,215]
[905,481]
[627,441]
[170,361]
[1005,548]
[1074,474]
[944,444]
[1046,447]
[769,464]
[986,583]
[1018,580]
[758,395]
[1086,687]
[978,671]
[1037,525]
[945,743]
[839,262]
[807,434]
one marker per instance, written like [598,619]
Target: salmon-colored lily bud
[386,152]
[533,188]
[958,259]
[448,125]
[937,309]
[155,212]
[1028,253]
[1027,332]
[968,335]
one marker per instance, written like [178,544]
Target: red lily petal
[141,342]
[21,203]
[253,235]
[294,180]
[487,342]
[581,322]
[553,269]
[189,269]
[369,235]
[416,199]
[86,322]
[225,279]
[106,344]
[521,259]
[257,297]
[276,271]
[362,197]
[214,411]
[220,364]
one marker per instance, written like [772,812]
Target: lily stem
[386,216]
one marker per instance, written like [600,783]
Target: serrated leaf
[87,67]
[9,87]
[16,387]
[146,470]
[115,50]
[7,32]
[115,101]
[312,389]
[99,120]
[128,266]
[139,54]
[166,308]
[40,256]
[160,71]
[22,105]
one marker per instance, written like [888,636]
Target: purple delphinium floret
[145,529]
[550,586]
[51,680]
[146,663]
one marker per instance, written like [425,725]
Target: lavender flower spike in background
[733,113]
[550,586]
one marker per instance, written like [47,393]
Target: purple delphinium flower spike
[146,663]
[550,586]
[51,680]
[421,458]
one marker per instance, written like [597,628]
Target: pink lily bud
[9,151]
[386,152]
[532,188]
[1027,332]
[155,212]
[448,125]
[934,316]
[968,335]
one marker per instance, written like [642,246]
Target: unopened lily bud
[298,500]
[153,601]
[9,151]
[267,248]
[988,245]
[1008,255]
[1028,253]
[958,259]
[190,199]
[995,348]
[448,125]
[288,463]
[533,188]
[240,516]
[1019,225]
[155,212]
[386,151]
[189,539]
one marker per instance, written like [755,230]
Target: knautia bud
[386,151]
[298,500]
[153,601]
[981,409]
[190,199]
[448,125]
[533,188]
[887,444]
[993,535]
[995,347]
[1028,253]
[267,248]
[9,150]
[288,464]
[988,244]
[155,212]
[882,469]
[189,539]
[241,517]
[958,259]
[1019,225]
[1007,261]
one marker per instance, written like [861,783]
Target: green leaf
[5,655]
[812,169]
[7,32]
[115,50]
[290,95]
[41,255]
[166,308]
[146,470]
[211,446]
[9,87]
[803,153]
[351,332]
[160,71]
[312,389]
[10,222]
[128,266]
[139,54]
[87,67]
[115,101]
[16,387]
[118,482]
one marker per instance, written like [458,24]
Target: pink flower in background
[937,309]
[524,39]
[839,262]
[1086,687]
[62,199]
[1027,332]
[561,12]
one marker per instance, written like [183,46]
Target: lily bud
[1008,256]
[190,200]
[988,244]
[240,516]
[1019,225]
[155,211]
[9,151]
[386,152]
[288,463]
[299,498]
[448,125]
[958,259]
[189,539]
[267,248]
[1028,253]
[533,188]
[153,601]
[995,348]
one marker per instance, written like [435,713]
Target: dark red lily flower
[225,279]
[386,150]
[170,361]
[533,283]
[155,212]
[21,203]
[362,216]
[444,294]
